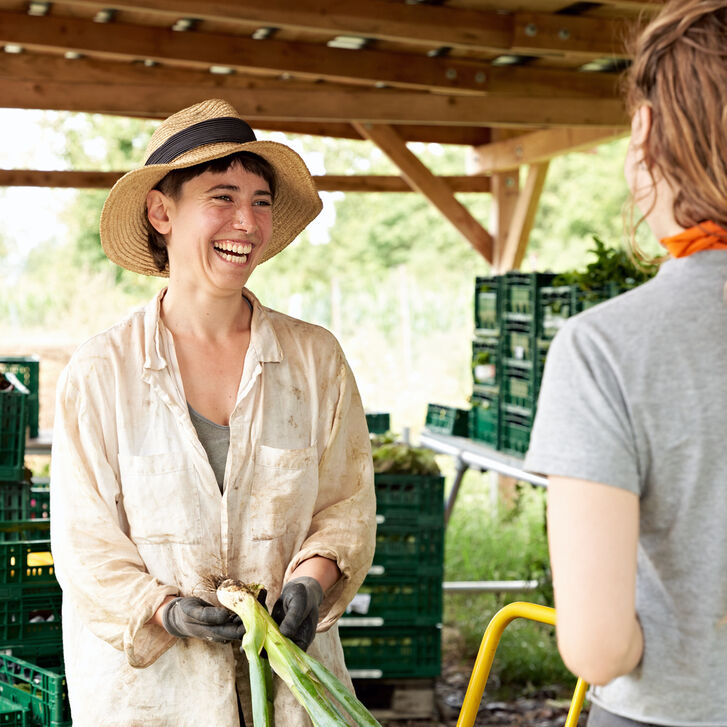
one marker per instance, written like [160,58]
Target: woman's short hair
[679,69]
[171,186]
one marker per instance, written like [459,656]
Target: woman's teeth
[233,252]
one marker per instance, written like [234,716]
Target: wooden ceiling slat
[499,80]
[430,26]
[324,183]
[202,50]
[569,35]
[382,106]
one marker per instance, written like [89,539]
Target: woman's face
[219,228]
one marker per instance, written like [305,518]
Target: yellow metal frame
[486,653]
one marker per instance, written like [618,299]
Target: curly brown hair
[679,69]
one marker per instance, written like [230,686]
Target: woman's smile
[232,251]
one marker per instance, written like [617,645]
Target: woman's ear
[157,210]
[641,125]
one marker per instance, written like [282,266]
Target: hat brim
[123,226]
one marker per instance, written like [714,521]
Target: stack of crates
[524,346]
[32,682]
[392,628]
[484,416]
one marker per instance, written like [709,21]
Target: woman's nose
[245,219]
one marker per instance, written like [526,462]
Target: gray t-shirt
[215,438]
[634,395]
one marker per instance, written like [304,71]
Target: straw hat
[197,134]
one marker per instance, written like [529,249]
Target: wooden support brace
[540,146]
[432,187]
[511,255]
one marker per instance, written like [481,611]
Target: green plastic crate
[39,503]
[14,501]
[394,652]
[485,419]
[409,548]
[31,616]
[486,362]
[520,293]
[23,530]
[12,715]
[40,690]
[406,499]
[446,420]
[13,421]
[488,305]
[397,600]
[555,306]
[27,369]
[515,432]
[518,340]
[45,654]
[378,422]
[25,563]
[520,386]
[585,299]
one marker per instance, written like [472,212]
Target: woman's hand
[296,611]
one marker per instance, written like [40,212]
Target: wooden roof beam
[433,188]
[421,24]
[540,146]
[497,80]
[325,183]
[316,104]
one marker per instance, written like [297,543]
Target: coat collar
[263,340]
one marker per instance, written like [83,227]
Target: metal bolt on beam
[480,77]
[451,74]
[564,34]
[531,30]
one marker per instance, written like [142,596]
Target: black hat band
[212,131]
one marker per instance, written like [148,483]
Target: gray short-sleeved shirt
[634,395]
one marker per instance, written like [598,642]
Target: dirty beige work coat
[138,514]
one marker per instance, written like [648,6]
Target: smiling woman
[204,435]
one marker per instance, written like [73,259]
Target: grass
[509,543]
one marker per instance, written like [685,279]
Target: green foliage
[612,266]
[509,544]
[396,457]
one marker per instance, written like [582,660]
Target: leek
[308,680]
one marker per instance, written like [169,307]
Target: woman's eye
[224,197]
[263,203]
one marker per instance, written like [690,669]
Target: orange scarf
[704,236]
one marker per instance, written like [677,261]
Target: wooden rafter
[434,189]
[328,104]
[539,146]
[523,216]
[493,79]
[422,24]
[324,183]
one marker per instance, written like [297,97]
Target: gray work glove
[192,617]
[296,611]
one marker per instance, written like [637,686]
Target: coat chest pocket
[284,491]
[161,498]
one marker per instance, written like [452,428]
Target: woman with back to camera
[631,426]
[204,435]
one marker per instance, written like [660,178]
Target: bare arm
[593,532]
[324,570]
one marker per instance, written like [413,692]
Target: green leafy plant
[394,457]
[612,266]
